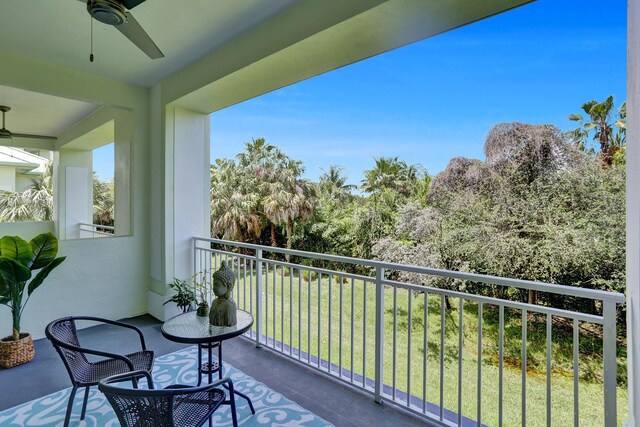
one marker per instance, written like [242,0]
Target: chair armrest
[127,376]
[98,353]
[115,323]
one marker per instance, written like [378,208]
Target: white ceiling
[41,114]
[57,31]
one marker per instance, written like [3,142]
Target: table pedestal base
[210,367]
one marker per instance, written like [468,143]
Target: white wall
[23,182]
[102,277]
[7,178]
[27,230]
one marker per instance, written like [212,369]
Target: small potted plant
[184,296]
[19,259]
[203,304]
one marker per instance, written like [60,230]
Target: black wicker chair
[174,406]
[84,373]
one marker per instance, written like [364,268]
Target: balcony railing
[88,231]
[383,336]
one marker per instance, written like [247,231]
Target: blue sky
[437,99]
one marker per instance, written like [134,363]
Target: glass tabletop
[191,328]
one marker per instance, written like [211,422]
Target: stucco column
[633,210]
[123,131]
[191,183]
[186,206]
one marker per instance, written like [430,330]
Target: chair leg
[134,382]
[199,365]
[220,360]
[84,403]
[70,405]
[232,398]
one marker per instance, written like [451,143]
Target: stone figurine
[223,309]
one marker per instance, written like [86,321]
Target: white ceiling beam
[312,38]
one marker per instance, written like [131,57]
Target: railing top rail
[593,294]
[106,227]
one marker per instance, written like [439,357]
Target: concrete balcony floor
[333,401]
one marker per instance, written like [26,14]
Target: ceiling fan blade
[130,4]
[134,32]
[27,135]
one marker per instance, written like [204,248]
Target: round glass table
[189,328]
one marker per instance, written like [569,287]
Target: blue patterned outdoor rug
[272,409]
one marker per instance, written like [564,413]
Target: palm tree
[234,202]
[286,198]
[103,201]
[609,136]
[334,184]
[388,173]
[33,204]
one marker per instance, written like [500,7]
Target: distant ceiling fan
[116,13]
[6,134]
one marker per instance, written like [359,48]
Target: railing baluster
[207,275]
[238,285]
[244,284]
[442,327]
[299,314]
[275,312]
[308,316]
[548,370]
[610,367]
[195,253]
[282,308]
[409,330]
[353,316]
[576,372]
[364,334]
[425,350]
[379,334]
[251,289]
[290,311]
[479,386]
[258,313]
[500,364]
[319,316]
[340,329]
[266,303]
[330,316]
[460,344]
[395,348]
[524,368]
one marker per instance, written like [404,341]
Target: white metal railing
[346,325]
[88,231]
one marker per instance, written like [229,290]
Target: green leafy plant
[19,259]
[184,295]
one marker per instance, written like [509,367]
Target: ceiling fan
[6,134]
[116,13]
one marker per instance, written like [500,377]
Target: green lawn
[315,309]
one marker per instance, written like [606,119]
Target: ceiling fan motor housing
[108,12]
